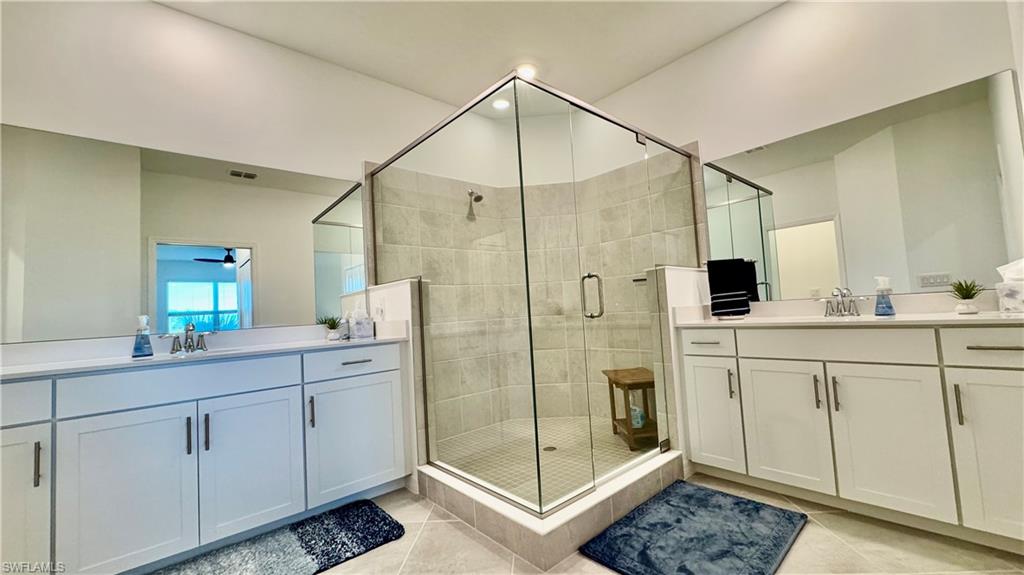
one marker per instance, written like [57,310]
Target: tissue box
[1011,296]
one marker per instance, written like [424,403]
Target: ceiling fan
[228,260]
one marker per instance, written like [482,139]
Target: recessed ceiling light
[526,71]
[500,104]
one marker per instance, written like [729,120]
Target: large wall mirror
[96,233]
[924,192]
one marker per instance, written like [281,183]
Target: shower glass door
[614,216]
[634,213]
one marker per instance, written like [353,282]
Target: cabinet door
[25,494]
[786,421]
[127,492]
[890,438]
[354,436]
[987,415]
[714,411]
[250,461]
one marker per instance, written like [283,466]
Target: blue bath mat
[304,548]
[692,530]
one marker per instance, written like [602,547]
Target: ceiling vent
[757,149]
[241,174]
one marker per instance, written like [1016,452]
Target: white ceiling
[451,51]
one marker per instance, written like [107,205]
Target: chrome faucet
[193,341]
[842,303]
[190,342]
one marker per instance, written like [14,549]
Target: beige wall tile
[614,223]
[401,225]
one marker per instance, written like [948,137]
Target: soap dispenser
[143,347]
[883,301]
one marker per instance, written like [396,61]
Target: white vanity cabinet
[986,411]
[354,435]
[786,420]
[715,413]
[159,459]
[859,413]
[25,494]
[250,461]
[127,492]
[890,438]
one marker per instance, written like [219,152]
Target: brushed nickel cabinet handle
[705,343]
[37,470]
[206,432]
[995,347]
[732,392]
[312,412]
[357,361]
[835,392]
[817,394]
[959,404]
[188,435]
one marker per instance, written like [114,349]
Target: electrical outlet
[936,279]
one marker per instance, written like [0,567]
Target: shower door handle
[600,295]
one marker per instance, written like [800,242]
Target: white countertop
[162,359]
[990,318]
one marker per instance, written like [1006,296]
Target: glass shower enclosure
[741,221]
[535,224]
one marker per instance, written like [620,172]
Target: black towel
[733,285]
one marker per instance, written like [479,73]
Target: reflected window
[209,286]
[211,306]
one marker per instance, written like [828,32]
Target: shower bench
[628,380]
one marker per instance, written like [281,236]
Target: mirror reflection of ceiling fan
[227,261]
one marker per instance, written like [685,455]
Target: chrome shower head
[474,198]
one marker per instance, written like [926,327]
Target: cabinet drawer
[888,345]
[709,342]
[985,346]
[130,389]
[321,365]
[25,401]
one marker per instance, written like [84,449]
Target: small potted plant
[332,323]
[966,291]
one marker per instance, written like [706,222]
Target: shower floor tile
[503,455]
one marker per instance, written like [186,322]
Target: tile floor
[503,455]
[832,542]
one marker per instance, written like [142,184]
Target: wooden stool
[639,378]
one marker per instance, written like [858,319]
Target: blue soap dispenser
[883,299]
[143,347]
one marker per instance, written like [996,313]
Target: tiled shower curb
[546,542]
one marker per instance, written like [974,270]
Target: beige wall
[275,223]
[70,239]
[949,176]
